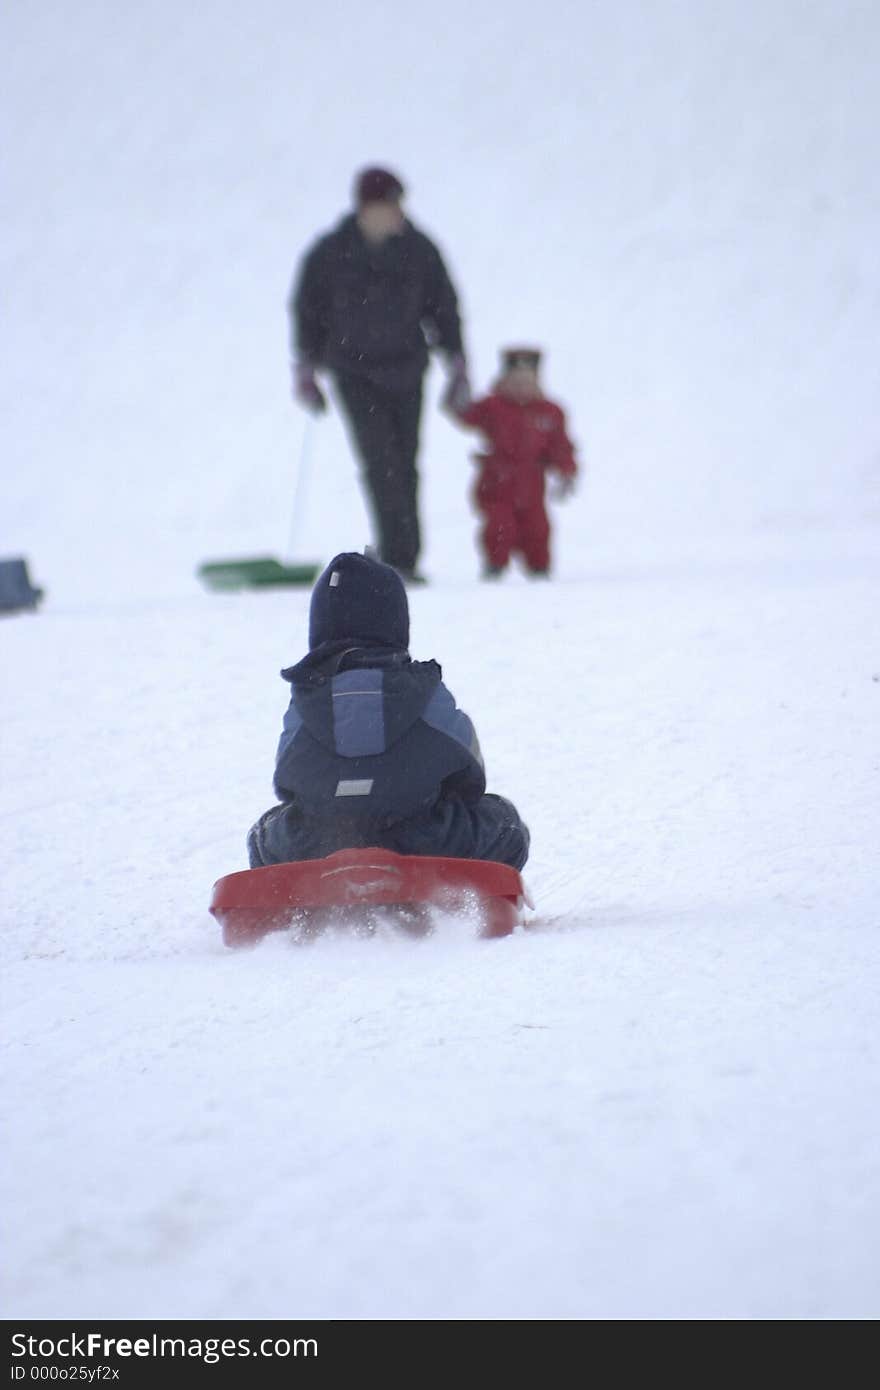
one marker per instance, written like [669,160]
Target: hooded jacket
[373,737]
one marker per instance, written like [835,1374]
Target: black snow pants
[385,429]
[490,828]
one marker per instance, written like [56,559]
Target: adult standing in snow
[369,300]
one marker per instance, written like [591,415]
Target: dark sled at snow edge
[259,572]
[17,593]
[314,892]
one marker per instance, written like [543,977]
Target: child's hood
[359,702]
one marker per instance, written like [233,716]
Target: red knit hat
[377,186]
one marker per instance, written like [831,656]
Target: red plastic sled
[250,904]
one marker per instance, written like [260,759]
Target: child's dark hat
[359,600]
[512,357]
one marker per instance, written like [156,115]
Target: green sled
[260,572]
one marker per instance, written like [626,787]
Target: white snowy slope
[660,1100]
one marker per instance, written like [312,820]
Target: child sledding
[374,751]
[379,776]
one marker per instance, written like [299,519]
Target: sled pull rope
[303,473]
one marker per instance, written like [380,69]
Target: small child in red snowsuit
[527,437]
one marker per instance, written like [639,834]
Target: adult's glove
[306,389]
[457,396]
[561,487]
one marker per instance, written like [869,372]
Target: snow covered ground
[661,1099]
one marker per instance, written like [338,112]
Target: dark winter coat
[373,738]
[525,438]
[372,311]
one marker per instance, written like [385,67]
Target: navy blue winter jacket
[371,311]
[374,737]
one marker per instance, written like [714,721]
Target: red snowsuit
[525,438]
